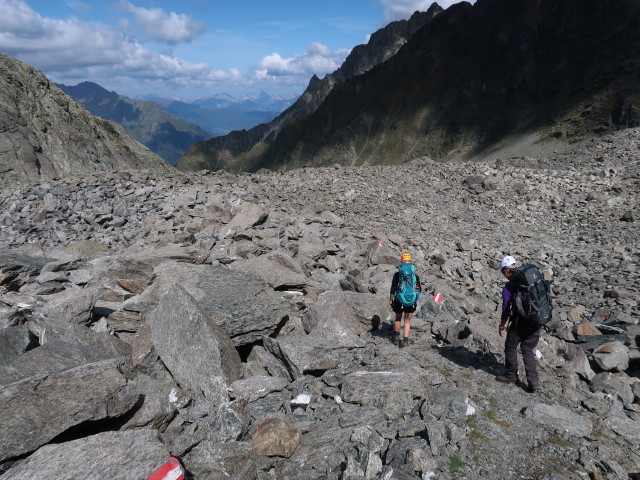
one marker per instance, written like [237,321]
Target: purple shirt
[507,292]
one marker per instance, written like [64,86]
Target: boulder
[275,438]
[393,391]
[16,270]
[242,304]
[124,272]
[613,384]
[133,454]
[253,388]
[220,461]
[612,356]
[303,354]
[352,310]
[37,409]
[560,419]
[54,356]
[559,353]
[73,305]
[245,216]
[13,342]
[197,352]
[278,269]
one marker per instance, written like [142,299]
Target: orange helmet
[406,257]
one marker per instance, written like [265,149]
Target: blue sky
[193,48]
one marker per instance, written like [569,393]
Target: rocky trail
[241,322]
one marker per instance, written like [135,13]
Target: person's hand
[501,330]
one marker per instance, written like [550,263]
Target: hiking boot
[405,342]
[395,336]
[505,379]
[533,388]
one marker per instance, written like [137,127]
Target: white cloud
[74,50]
[171,28]
[318,59]
[69,51]
[403,9]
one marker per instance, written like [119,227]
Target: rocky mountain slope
[167,135]
[470,78]
[241,323]
[227,152]
[45,134]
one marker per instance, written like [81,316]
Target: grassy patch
[475,433]
[455,464]
[601,435]
[560,442]
[491,415]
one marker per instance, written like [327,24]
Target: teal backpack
[407,292]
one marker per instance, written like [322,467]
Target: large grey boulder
[60,329]
[559,353]
[613,384]
[254,388]
[54,356]
[612,356]
[13,342]
[221,461]
[113,271]
[303,354]
[16,270]
[170,252]
[131,455]
[245,216]
[392,390]
[74,305]
[35,410]
[197,352]
[560,419]
[241,303]
[355,311]
[278,269]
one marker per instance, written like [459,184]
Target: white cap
[507,262]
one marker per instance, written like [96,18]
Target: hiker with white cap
[519,332]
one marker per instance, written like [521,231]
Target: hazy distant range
[168,127]
[220,114]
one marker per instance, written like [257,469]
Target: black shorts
[398,307]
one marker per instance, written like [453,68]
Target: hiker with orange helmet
[403,297]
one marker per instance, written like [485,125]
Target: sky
[193,48]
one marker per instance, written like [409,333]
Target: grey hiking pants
[527,336]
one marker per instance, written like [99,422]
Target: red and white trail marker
[437,298]
[172,470]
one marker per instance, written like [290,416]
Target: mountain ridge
[45,134]
[221,152]
[163,132]
[468,79]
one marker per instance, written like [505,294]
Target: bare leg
[396,324]
[407,324]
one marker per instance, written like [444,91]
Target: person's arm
[418,284]
[506,307]
[394,287]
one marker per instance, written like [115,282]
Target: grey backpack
[532,299]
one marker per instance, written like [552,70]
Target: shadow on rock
[468,359]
